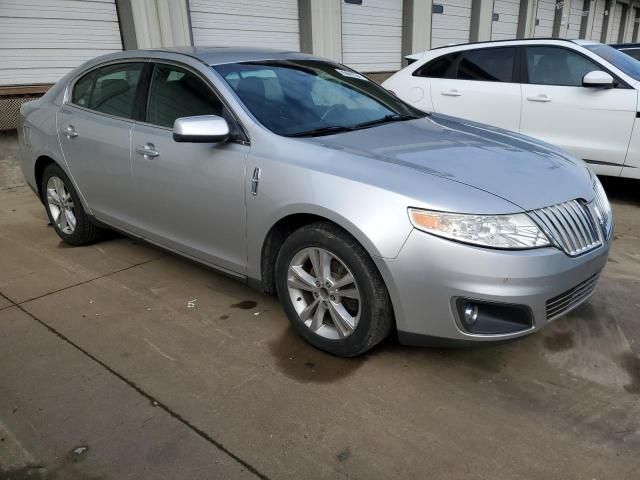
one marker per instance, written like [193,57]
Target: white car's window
[441,67]
[175,93]
[487,65]
[557,66]
[115,89]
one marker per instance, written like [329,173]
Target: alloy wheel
[324,293]
[61,205]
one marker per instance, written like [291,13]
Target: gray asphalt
[120,361]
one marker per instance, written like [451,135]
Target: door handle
[451,93]
[148,150]
[70,132]
[539,98]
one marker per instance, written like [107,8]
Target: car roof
[625,45]
[220,55]
[515,41]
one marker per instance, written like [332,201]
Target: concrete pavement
[119,361]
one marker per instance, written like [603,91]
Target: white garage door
[505,19]
[545,12]
[41,40]
[372,35]
[245,23]
[615,26]
[575,18]
[450,22]
[598,20]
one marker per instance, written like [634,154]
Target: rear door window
[115,89]
[487,65]
[82,90]
[442,67]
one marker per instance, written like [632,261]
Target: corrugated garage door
[450,22]
[615,28]
[632,30]
[598,20]
[272,24]
[41,40]
[575,18]
[505,19]
[372,35]
[545,11]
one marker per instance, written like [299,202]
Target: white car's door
[593,124]
[477,85]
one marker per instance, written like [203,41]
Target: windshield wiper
[316,132]
[394,117]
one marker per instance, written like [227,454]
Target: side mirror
[598,79]
[201,129]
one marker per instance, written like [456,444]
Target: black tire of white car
[85,231]
[376,312]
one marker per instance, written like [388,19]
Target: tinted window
[439,68]
[633,53]
[82,90]
[312,97]
[115,89]
[618,59]
[175,93]
[557,66]
[487,65]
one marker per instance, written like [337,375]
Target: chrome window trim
[66,101]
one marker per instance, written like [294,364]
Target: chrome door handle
[70,132]
[539,98]
[451,93]
[148,150]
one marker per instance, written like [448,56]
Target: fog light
[470,313]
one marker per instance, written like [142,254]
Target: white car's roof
[524,41]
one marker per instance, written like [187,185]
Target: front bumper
[430,273]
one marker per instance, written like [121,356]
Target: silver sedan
[302,177]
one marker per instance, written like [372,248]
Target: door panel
[94,131]
[482,88]
[189,196]
[591,123]
[99,160]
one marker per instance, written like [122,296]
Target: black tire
[85,232]
[376,312]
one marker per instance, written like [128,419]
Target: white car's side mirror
[201,129]
[598,79]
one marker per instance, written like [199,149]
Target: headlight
[515,231]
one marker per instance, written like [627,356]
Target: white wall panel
[575,18]
[41,40]
[614,28]
[272,24]
[598,20]
[506,26]
[453,25]
[372,35]
[545,13]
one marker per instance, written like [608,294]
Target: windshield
[312,97]
[620,60]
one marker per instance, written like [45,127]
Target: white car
[579,95]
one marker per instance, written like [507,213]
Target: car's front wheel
[64,209]
[331,290]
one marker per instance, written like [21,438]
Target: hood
[519,169]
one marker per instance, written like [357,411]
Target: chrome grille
[571,298]
[570,225]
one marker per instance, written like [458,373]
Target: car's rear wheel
[64,209]
[332,292]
